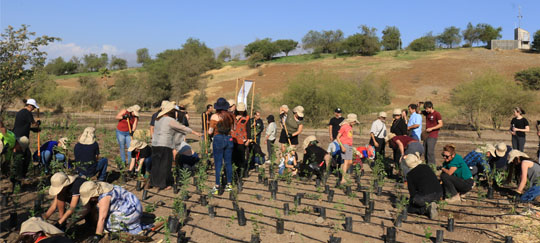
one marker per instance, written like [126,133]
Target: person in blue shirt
[477,160]
[47,151]
[415,123]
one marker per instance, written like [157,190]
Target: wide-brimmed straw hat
[397,112]
[486,148]
[88,137]
[169,106]
[309,140]
[23,142]
[500,149]
[351,117]
[382,114]
[515,154]
[413,160]
[299,110]
[389,136]
[136,144]
[37,224]
[221,104]
[134,109]
[241,106]
[58,181]
[90,189]
[62,142]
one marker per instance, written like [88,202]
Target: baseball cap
[338,110]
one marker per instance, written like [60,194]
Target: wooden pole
[205,133]
[129,127]
[251,112]
[38,139]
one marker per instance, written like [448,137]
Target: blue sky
[120,27]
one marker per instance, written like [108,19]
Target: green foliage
[143,57]
[424,43]
[391,39]
[225,54]
[92,63]
[365,43]
[118,63]
[254,59]
[450,37]
[320,92]
[133,89]
[265,47]
[487,97]
[486,33]
[89,95]
[47,92]
[200,99]
[529,78]
[536,41]
[471,35]
[60,67]
[20,57]
[326,41]
[286,46]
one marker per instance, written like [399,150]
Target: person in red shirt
[127,123]
[433,124]
[345,140]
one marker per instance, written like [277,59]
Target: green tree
[391,39]
[133,89]
[254,59]
[92,62]
[326,41]
[286,46]
[450,36]
[118,63]
[225,54]
[529,78]
[471,34]
[89,95]
[265,47]
[536,41]
[365,43]
[20,58]
[486,33]
[143,57]
[103,60]
[425,43]
[47,92]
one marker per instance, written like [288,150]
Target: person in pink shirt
[345,140]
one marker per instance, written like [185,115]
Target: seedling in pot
[279,223]
[285,209]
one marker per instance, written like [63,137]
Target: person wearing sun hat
[530,169]
[378,133]
[36,229]
[423,185]
[221,124]
[87,153]
[24,120]
[154,116]
[500,158]
[163,143]
[141,154]
[64,188]
[241,135]
[293,125]
[316,159]
[477,160]
[128,120]
[48,150]
[119,209]
[345,141]
[399,128]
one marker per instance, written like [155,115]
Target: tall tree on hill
[286,46]
[450,36]
[118,63]
[143,56]
[471,34]
[225,54]
[536,41]
[265,46]
[326,41]
[391,39]
[486,33]
[92,62]
[365,43]
[20,58]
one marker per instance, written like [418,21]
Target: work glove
[439,167]
[126,116]
[38,122]
[94,239]
[131,133]
[61,226]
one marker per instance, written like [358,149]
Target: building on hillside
[521,41]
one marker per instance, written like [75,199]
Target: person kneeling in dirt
[186,158]
[86,153]
[141,158]
[65,189]
[38,230]
[48,151]
[316,159]
[477,160]
[289,162]
[527,170]
[456,176]
[424,187]
[119,210]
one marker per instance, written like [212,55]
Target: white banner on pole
[244,92]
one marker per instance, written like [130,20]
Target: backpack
[240,131]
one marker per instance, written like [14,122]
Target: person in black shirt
[141,154]
[424,187]
[316,159]
[86,153]
[258,124]
[24,120]
[205,117]
[182,115]
[333,125]
[519,125]
[399,127]
[65,189]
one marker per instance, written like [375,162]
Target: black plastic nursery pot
[331,196]
[173,223]
[275,185]
[326,189]
[280,226]
[366,198]
[273,195]
[241,217]
[439,236]
[203,200]
[285,209]
[211,211]
[232,196]
[508,239]
[357,179]
[371,206]
[5,200]
[145,195]
[334,239]
[13,219]
[182,237]
[398,221]
[175,188]
[367,216]
[490,193]
[235,206]
[271,173]
[265,181]
[358,187]
[317,183]
[297,200]
[322,212]
[450,227]
[404,214]
[348,224]
[139,186]
[260,178]
[255,238]
[379,190]
[240,185]
[390,235]
[348,190]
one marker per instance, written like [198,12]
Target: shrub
[529,78]
[47,92]
[365,43]
[133,89]
[425,43]
[265,47]
[321,92]
[89,95]
[254,59]
[200,100]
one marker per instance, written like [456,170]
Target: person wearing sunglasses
[456,175]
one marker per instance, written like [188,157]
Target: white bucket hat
[168,107]
[90,189]
[32,102]
[500,149]
[351,117]
[58,181]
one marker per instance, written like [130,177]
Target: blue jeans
[46,159]
[222,148]
[101,169]
[124,139]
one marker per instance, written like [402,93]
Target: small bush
[425,43]
[89,95]
[255,59]
[47,92]
[529,78]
